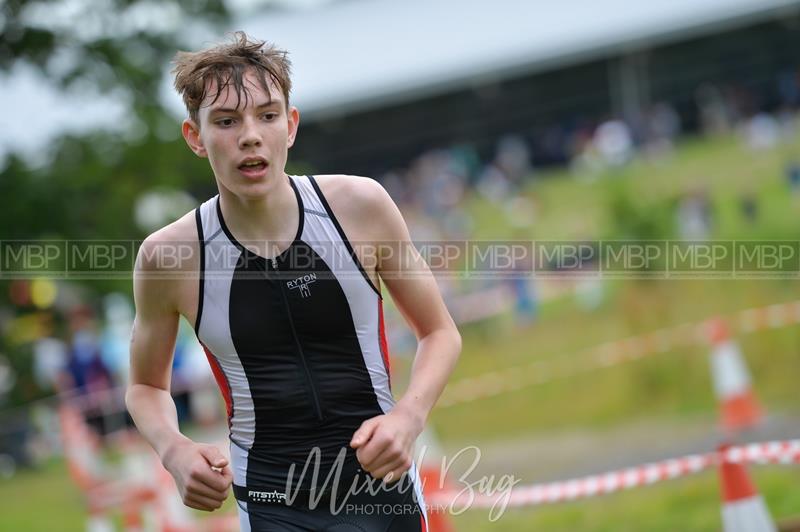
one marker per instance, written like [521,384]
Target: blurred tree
[85,186]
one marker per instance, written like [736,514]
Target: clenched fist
[201,473]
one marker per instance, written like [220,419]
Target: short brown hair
[227,64]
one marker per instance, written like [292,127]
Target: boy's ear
[294,122]
[191,134]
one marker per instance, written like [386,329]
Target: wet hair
[226,65]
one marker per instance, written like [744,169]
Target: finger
[388,454]
[213,456]
[202,490]
[214,480]
[368,453]
[364,433]
[199,502]
[391,471]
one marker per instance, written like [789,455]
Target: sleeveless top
[296,342]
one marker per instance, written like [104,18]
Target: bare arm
[417,296]
[148,399]
[155,328]
[386,450]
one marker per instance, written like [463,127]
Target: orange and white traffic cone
[738,404]
[743,509]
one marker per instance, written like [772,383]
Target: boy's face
[246,140]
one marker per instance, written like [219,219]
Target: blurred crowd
[72,347]
[432,188]
[72,344]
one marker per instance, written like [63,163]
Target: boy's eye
[225,122]
[270,116]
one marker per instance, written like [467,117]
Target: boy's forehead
[252,93]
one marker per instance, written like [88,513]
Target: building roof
[355,55]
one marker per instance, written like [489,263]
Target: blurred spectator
[8,377]
[493,184]
[522,282]
[49,360]
[614,142]
[503,175]
[749,207]
[85,373]
[513,158]
[662,128]
[694,215]
[793,176]
[585,161]
[466,161]
[762,132]
[116,335]
[715,117]
[789,87]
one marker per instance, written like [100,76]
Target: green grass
[671,384]
[663,387]
[44,499]
[568,207]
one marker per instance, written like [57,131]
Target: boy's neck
[272,217]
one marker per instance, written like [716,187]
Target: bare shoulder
[354,196]
[174,247]
[166,272]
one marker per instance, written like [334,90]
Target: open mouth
[253,165]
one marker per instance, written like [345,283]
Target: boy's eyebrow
[272,103]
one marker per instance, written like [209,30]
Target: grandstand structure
[379,82]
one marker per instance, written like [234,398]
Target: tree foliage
[87,187]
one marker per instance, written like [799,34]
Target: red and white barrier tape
[773,452]
[613,353]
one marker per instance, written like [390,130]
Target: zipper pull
[274,262]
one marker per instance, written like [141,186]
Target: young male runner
[288,308]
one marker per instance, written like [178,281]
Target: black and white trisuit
[298,347]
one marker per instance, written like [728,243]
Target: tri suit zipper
[315,398]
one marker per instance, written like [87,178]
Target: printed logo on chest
[302,283]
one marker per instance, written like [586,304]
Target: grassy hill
[669,386]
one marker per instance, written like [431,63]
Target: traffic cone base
[748,515]
[743,509]
[739,408]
